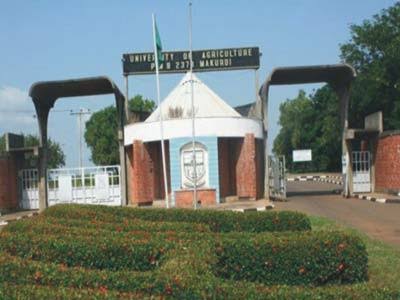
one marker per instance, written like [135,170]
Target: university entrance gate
[91,185]
[340,78]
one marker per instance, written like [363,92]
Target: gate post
[263,93]
[42,114]
[343,92]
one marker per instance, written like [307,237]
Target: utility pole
[80,113]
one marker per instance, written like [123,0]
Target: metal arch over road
[44,94]
[338,76]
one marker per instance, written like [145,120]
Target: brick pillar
[387,164]
[246,174]
[8,184]
[224,168]
[142,174]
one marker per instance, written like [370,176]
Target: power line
[33,112]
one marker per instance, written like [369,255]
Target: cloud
[16,110]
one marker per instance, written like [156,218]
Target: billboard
[203,61]
[302,155]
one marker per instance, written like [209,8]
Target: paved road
[381,221]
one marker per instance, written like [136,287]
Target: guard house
[229,152]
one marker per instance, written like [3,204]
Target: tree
[140,104]
[56,157]
[296,120]
[2,145]
[101,134]
[374,51]
[311,122]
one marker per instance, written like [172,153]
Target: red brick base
[184,198]
[147,180]
[241,167]
[387,163]
[8,184]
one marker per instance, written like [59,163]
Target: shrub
[218,221]
[12,291]
[80,252]
[25,271]
[42,224]
[251,291]
[111,252]
[293,258]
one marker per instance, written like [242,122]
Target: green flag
[159,47]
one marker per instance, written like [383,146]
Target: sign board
[14,141]
[302,155]
[203,61]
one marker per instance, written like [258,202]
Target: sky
[53,40]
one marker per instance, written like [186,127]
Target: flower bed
[218,221]
[294,258]
[113,253]
[110,252]
[42,224]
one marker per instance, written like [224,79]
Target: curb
[378,200]
[319,178]
[264,208]
[29,215]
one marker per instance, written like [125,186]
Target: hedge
[186,273]
[43,224]
[25,271]
[224,291]
[218,221]
[111,252]
[315,258]
[108,254]
[18,292]
[250,291]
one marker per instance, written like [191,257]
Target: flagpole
[193,111]
[161,115]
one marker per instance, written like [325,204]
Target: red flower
[103,289]
[341,267]
[38,276]
[152,259]
[177,280]
[63,267]
[168,290]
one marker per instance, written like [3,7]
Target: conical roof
[177,105]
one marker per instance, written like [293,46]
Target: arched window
[189,176]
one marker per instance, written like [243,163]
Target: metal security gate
[277,177]
[361,163]
[91,185]
[28,189]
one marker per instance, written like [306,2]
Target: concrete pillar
[343,93]
[264,92]
[43,114]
